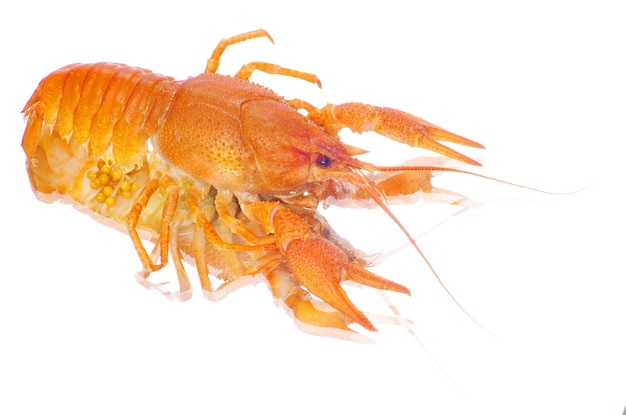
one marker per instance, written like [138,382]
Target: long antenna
[367,186]
[469,173]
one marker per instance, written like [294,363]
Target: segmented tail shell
[99,107]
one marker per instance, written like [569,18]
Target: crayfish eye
[323,160]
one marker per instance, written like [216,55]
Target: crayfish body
[224,172]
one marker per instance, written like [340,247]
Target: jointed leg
[214,61]
[223,205]
[169,208]
[272,69]
[244,73]
[194,197]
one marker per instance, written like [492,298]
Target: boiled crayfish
[224,173]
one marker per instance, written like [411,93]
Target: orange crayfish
[223,173]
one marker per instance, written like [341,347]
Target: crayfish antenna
[375,194]
[469,173]
[378,196]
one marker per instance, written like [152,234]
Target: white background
[541,84]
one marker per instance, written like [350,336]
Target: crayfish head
[239,136]
[291,154]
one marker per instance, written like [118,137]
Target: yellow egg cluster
[112,183]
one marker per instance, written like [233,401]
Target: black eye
[323,160]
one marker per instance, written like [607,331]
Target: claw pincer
[318,264]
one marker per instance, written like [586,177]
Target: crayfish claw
[397,125]
[320,266]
